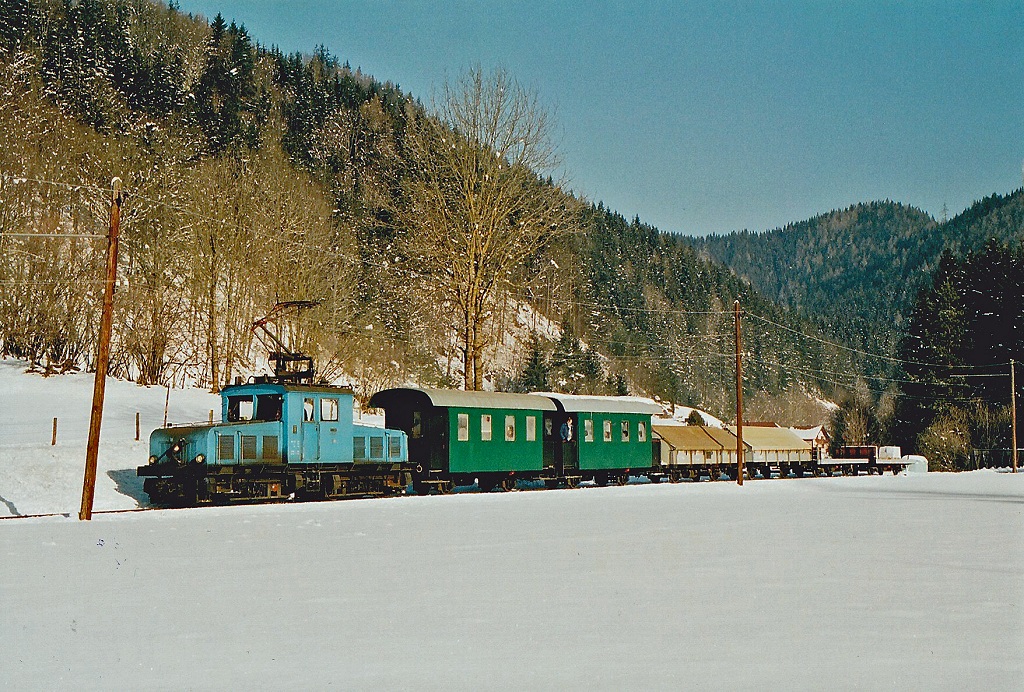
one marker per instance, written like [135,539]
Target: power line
[850,349]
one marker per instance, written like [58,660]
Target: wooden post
[53,440]
[167,401]
[1013,411]
[136,426]
[211,415]
[739,395]
[103,356]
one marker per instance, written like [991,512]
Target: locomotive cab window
[328,409]
[240,408]
[307,409]
[268,407]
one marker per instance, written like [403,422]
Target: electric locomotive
[278,439]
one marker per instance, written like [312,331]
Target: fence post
[136,426]
[53,440]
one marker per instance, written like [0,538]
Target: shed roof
[573,403]
[772,438]
[456,398]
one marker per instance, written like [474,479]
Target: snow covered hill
[906,582]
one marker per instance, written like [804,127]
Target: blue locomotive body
[276,441]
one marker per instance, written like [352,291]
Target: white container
[915,463]
[891,452]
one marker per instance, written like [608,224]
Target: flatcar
[276,440]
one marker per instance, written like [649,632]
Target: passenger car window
[531,428]
[625,430]
[485,426]
[510,428]
[588,430]
[641,432]
[607,431]
[463,427]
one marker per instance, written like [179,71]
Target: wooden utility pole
[739,395]
[1013,411]
[103,355]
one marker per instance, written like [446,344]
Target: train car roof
[456,398]
[279,388]
[577,403]
[696,437]
[761,438]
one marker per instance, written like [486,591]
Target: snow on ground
[37,478]
[677,415]
[907,582]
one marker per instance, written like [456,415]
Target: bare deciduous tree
[477,207]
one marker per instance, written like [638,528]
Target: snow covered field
[37,478]
[909,582]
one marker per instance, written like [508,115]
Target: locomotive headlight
[152,460]
[176,448]
[200,458]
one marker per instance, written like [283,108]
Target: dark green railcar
[609,437]
[458,438]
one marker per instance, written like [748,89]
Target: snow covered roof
[461,399]
[572,403]
[811,434]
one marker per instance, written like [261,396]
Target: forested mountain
[252,177]
[857,271]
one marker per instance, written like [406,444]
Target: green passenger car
[609,437]
[458,437]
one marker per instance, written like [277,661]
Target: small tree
[534,377]
[695,418]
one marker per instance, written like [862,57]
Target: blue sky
[717,116]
